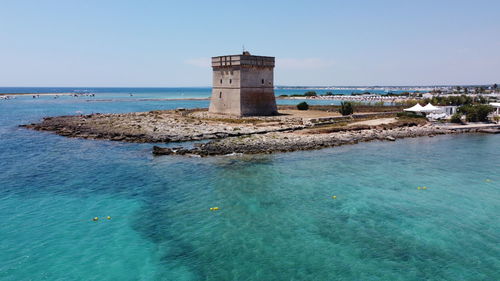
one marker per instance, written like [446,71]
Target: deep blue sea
[277,219]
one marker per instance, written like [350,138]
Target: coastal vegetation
[406,103]
[405,114]
[398,94]
[310,94]
[476,112]
[346,108]
[456,100]
[456,118]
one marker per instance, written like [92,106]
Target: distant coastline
[96,100]
[31,94]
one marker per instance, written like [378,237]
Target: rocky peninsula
[292,130]
[161,126]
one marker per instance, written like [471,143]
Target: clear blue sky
[168,43]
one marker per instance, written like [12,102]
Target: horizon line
[276,86]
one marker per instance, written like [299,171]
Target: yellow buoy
[334,197]
[418,188]
[425,187]
[108,217]
[487,180]
[95,219]
[216,208]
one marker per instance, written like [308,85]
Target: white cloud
[199,62]
[301,64]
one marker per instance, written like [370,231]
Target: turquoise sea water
[277,220]
[150,94]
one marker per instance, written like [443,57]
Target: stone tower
[243,85]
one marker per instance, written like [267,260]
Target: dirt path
[374,122]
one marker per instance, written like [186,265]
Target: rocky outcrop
[160,126]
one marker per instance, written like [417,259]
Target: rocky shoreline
[292,141]
[230,135]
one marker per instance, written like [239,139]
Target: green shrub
[409,115]
[476,112]
[303,106]
[456,118]
[346,108]
[310,94]
[406,102]
[453,100]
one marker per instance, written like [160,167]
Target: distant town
[489,93]
[389,88]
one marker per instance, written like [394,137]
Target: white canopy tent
[431,111]
[415,108]
[431,108]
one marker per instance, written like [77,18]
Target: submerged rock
[162,150]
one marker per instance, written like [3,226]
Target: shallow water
[277,220]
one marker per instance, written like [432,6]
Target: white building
[427,96]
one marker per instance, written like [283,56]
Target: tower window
[262,81]
[220,95]
[230,81]
[221,81]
